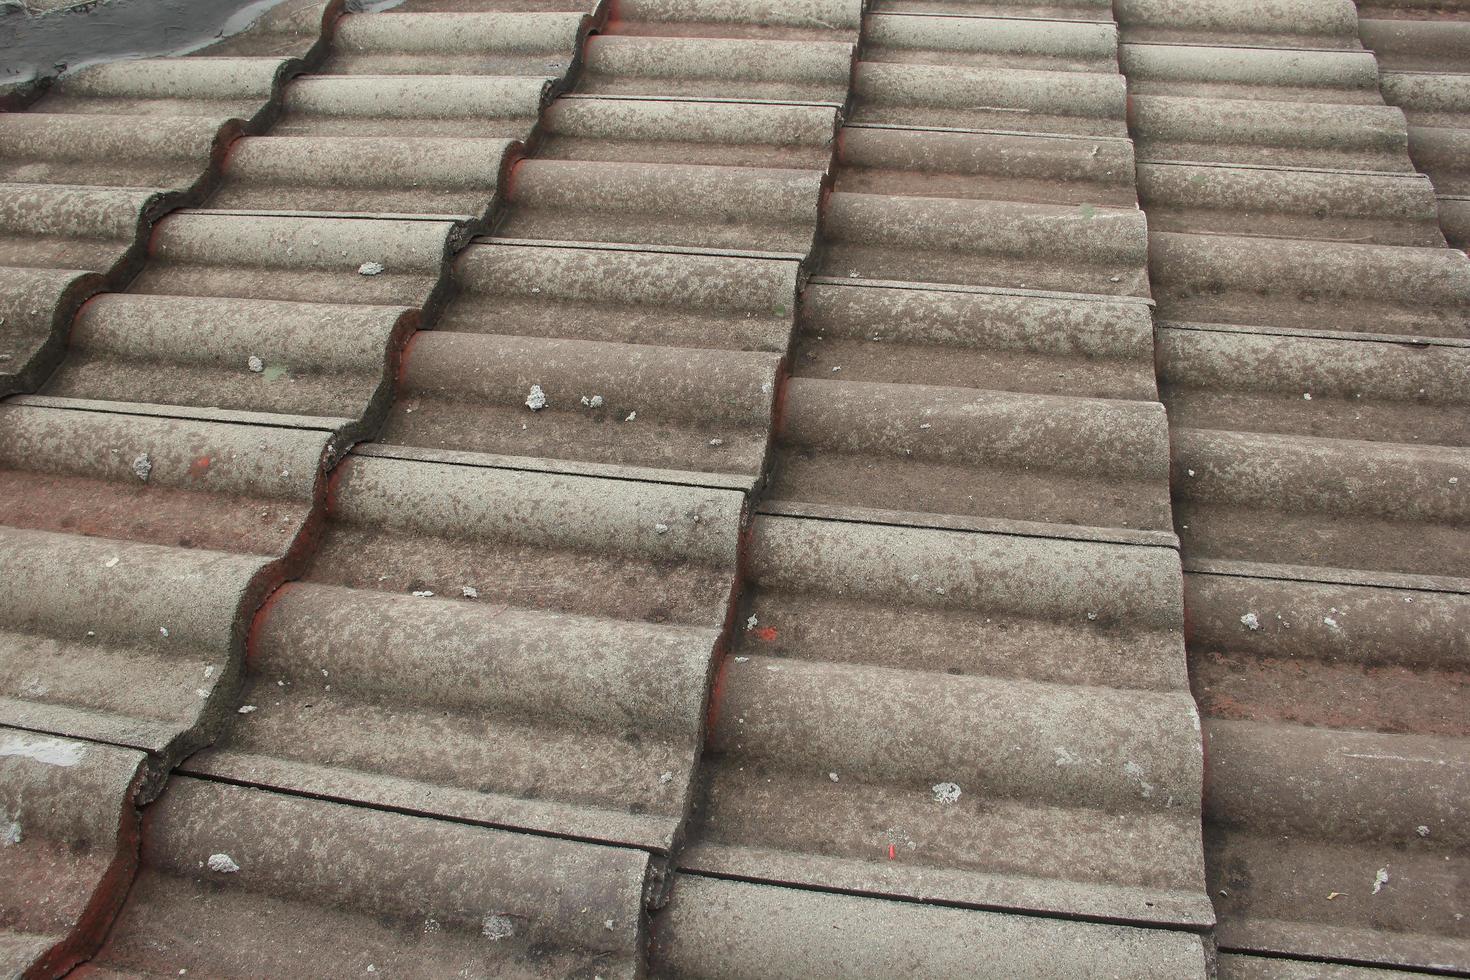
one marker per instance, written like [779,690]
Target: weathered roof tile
[70,836]
[840,722]
[139,548]
[569,621]
[238,881]
[715,929]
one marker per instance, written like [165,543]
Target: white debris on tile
[497,927]
[946,793]
[223,864]
[536,400]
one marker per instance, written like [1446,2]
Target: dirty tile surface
[723,488]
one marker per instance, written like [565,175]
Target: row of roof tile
[1311,325]
[918,683]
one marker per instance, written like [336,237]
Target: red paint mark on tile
[766,634]
[200,467]
[892,852]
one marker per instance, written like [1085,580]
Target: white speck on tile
[255,364]
[370,269]
[946,793]
[536,400]
[1379,880]
[469,591]
[497,927]
[143,466]
[1251,621]
[223,864]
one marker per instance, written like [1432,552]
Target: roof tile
[139,549]
[1316,462]
[716,929]
[839,719]
[721,68]
[328,888]
[578,647]
[70,837]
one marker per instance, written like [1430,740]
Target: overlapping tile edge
[707,891]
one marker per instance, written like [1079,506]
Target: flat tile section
[1059,10]
[1059,248]
[237,882]
[68,847]
[405,106]
[713,930]
[137,549]
[840,751]
[419,175]
[518,649]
